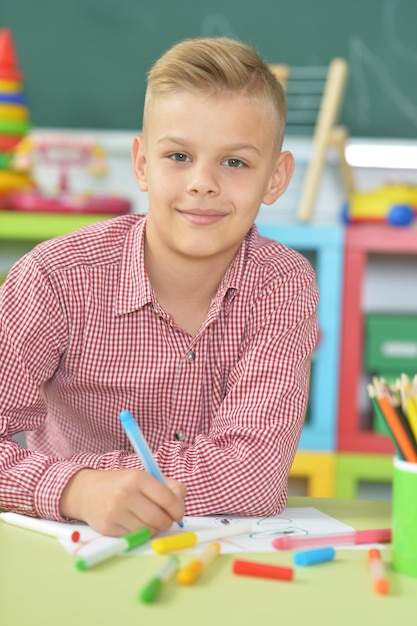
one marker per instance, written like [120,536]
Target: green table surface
[40,586]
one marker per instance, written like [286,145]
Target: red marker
[262,570]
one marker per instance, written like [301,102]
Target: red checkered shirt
[82,337]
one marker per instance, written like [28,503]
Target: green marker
[104,548]
[151,591]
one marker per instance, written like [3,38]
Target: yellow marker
[188,574]
[174,542]
[190,539]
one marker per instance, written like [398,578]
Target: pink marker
[382,535]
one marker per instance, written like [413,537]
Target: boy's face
[207,163]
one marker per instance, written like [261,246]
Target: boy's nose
[202,180]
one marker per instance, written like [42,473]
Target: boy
[186,317]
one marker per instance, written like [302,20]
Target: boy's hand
[118,502]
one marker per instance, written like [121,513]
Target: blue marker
[140,446]
[311,557]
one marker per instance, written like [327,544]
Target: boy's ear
[280,178]
[139,162]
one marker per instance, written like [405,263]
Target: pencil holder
[404,522]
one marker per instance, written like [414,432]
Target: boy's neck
[185,289]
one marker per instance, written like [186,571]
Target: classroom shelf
[360,242]
[19,226]
[20,232]
[327,244]
[319,470]
[354,469]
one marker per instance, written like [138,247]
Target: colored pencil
[377,410]
[396,424]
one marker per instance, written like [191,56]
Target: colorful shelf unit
[28,229]
[354,469]
[326,243]
[360,242]
[319,468]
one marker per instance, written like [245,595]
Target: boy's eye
[179,156]
[234,163]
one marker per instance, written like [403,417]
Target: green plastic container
[404,522]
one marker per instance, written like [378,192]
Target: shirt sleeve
[32,333]
[241,466]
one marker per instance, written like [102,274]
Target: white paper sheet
[292,521]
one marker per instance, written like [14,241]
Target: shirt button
[190,356]
[179,435]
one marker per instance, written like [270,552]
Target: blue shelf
[327,243]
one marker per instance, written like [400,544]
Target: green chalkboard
[85,61]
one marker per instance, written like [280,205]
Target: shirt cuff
[49,489]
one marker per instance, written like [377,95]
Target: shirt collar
[135,290]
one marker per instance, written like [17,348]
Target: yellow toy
[394,204]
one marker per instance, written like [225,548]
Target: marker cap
[174,542]
[151,591]
[311,557]
[188,575]
[381,584]
[137,538]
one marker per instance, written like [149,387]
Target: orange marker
[188,574]
[376,565]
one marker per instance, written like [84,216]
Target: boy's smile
[207,163]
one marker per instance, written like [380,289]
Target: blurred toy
[315,95]
[14,120]
[394,204]
[64,152]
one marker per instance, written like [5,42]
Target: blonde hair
[214,66]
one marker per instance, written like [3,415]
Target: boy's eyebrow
[232,147]
[243,146]
[172,139]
